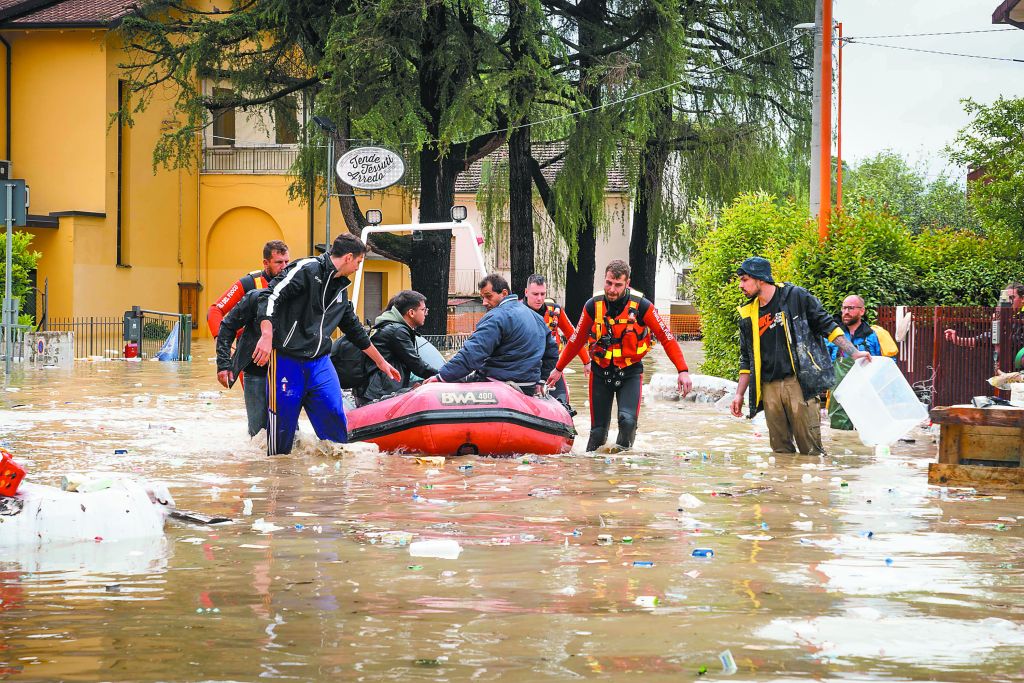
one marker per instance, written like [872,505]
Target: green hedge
[872,254]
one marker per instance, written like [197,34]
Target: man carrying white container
[782,349]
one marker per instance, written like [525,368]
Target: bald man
[851,321]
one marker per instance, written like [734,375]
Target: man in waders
[561,329]
[618,326]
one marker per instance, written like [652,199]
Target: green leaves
[871,252]
[993,146]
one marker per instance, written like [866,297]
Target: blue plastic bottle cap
[888,561]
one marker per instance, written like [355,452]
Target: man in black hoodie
[298,314]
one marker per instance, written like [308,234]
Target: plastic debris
[728,663]
[688,501]
[263,526]
[605,539]
[443,548]
[703,552]
[646,601]
[436,460]
[642,563]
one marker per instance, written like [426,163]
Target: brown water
[794,590]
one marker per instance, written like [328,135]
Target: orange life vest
[621,341]
[552,314]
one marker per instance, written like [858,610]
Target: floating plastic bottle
[703,552]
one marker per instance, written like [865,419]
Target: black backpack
[351,364]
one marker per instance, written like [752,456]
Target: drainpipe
[7,95]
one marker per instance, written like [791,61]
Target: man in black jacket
[231,366]
[394,335]
[783,360]
[298,314]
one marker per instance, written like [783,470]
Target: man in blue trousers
[298,313]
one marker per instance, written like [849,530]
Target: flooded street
[843,567]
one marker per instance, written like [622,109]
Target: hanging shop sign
[370,168]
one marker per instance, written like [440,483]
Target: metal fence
[944,373]
[94,336]
[104,336]
[265,159]
[447,343]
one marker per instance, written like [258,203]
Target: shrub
[871,253]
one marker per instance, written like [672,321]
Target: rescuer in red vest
[617,326]
[275,258]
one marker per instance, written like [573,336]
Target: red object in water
[11,474]
[485,418]
[131,350]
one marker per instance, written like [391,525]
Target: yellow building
[113,232]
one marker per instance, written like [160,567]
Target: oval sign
[370,168]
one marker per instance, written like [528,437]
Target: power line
[941,33]
[935,52]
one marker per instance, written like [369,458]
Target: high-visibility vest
[619,341]
[552,314]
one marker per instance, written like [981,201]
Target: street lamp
[329,129]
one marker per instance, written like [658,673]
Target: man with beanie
[784,364]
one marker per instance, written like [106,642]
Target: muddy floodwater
[843,567]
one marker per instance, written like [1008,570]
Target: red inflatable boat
[485,418]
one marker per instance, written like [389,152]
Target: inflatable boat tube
[484,418]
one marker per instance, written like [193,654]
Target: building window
[286,120]
[223,120]
[684,285]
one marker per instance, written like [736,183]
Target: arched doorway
[234,246]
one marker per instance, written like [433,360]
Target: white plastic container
[1017,393]
[880,403]
[445,549]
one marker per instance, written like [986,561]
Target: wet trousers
[297,383]
[791,417]
[254,389]
[625,387]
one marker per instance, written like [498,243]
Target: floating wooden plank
[981,478]
[988,417]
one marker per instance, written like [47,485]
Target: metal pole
[7,280]
[329,181]
[815,193]
[825,167]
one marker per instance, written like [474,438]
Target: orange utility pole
[825,168]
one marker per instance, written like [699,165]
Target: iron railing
[269,159]
[942,372]
[104,336]
[94,336]
[447,343]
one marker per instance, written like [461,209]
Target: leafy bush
[871,253]
[155,329]
[753,225]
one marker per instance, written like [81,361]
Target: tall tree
[403,73]
[740,90]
